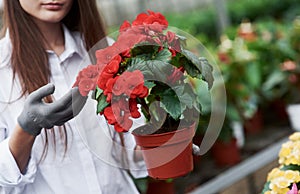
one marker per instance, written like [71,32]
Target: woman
[46,41]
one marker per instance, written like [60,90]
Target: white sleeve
[10,175]
[11,179]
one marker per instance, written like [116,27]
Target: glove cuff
[29,127]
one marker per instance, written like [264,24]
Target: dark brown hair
[28,59]
[28,54]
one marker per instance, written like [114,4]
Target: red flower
[128,39]
[119,86]
[173,42]
[104,56]
[155,21]
[139,20]
[122,113]
[224,57]
[91,72]
[134,111]
[126,53]
[125,26]
[85,86]
[124,125]
[103,79]
[108,72]
[140,91]
[112,67]
[109,115]
[86,79]
[109,86]
[131,84]
[118,58]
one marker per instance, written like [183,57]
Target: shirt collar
[73,44]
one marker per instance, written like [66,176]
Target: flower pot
[160,187]
[167,155]
[255,124]
[226,153]
[279,107]
[293,111]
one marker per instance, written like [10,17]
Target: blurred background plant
[289,46]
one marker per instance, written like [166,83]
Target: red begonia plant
[145,64]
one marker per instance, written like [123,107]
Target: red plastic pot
[255,124]
[167,155]
[226,153]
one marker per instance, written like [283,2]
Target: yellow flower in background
[280,183]
[292,175]
[295,136]
[290,151]
[279,189]
[269,192]
[280,180]
[285,150]
[276,172]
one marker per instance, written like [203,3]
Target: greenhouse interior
[248,128]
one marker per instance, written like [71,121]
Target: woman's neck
[54,36]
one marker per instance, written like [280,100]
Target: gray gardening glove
[37,114]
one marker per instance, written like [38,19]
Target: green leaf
[144,50]
[266,187]
[175,61]
[198,66]
[203,96]
[186,95]
[149,84]
[273,79]
[285,48]
[152,70]
[163,55]
[98,93]
[171,103]
[102,104]
[290,167]
[253,74]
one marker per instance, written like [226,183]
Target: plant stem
[145,108]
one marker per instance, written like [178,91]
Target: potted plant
[250,60]
[147,72]
[291,73]
[285,80]
[225,150]
[282,178]
[291,70]
[242,76]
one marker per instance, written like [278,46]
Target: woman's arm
[37,115]
[20,145]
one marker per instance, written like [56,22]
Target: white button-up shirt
[93,161]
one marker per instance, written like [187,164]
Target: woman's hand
[37,114]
